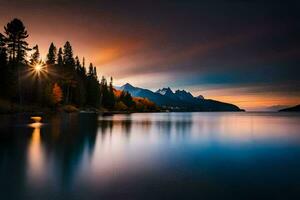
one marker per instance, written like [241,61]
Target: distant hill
[180,100]
[291,109]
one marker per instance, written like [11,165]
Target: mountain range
[180,100]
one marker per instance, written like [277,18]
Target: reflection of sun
[35,153]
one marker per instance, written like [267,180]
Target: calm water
[151,156]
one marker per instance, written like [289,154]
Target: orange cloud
[251,101]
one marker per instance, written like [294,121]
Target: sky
[241,52]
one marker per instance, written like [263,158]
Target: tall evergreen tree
[60,57]
[111,95]
[16,35]
[92,88]
[52,54]
[35,57]
[69,72]
[68,55]
[111,88]
[3,51]
[77,64]
[95,72]
[83,62]
[91,70]
[4,70]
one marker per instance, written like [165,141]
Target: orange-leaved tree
[57,94]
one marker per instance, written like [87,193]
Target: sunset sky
[242,52]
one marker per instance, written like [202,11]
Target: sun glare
[38,67]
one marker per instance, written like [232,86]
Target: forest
[60,82]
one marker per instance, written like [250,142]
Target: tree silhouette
[15,39]
[60,57]
[3,51]
[68,58]
[52,54]
[111,97]
[69,71]
[35,57]
[4,70]
[17,47]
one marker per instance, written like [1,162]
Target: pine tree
[17,47]
[70,82]
[82,69]
[92,88]
[91,70]
[111,88]
[104,92]
[60,57]
[77,64]
[95,72]
[83,62]
[3,52]
[68,55]
[4,71]
[15,38]
[35,57]
[52,55]
[111,95]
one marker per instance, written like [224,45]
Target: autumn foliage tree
[57,94]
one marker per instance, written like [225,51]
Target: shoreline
[103,113]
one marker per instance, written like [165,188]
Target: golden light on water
[36,118]
[36,162]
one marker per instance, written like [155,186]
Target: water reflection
[162,155]
[35,155]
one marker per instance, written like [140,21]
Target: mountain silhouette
[291,109]
[181,100]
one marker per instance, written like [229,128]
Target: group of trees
[61,79]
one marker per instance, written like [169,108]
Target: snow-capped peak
[165,91]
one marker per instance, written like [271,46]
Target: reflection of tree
[145,125]
[183,128]
[164,127]
[77,133]
[126,127]
[180,125]
[105,125]
[13,144]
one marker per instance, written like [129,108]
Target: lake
[151,156]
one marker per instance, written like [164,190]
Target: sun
[37,67]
